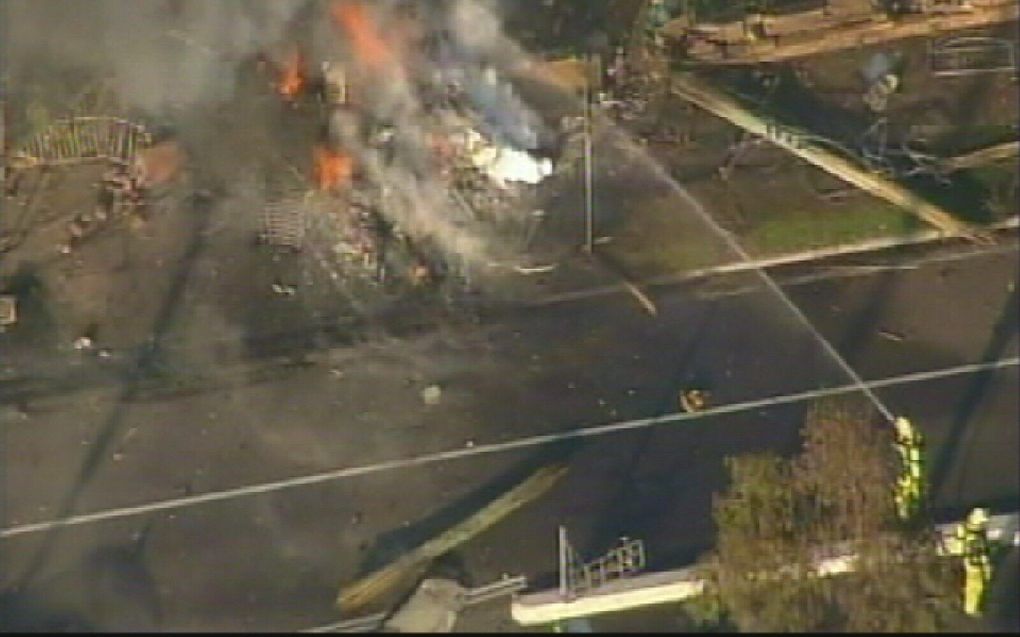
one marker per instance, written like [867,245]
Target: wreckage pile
[414,181]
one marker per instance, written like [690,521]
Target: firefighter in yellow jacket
[909,494]
[972,536]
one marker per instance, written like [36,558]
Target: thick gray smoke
[478,52]
[468,50]
[157,53]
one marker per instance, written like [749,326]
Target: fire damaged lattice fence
[80,139]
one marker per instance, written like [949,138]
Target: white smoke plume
[458,43]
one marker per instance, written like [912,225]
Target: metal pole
[589,238]
[564,562]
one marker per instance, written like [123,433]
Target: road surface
[274,560]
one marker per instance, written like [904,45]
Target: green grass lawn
[659,236]
[798,230]
[659,239]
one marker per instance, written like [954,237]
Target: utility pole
[589,203]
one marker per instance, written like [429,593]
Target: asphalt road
[211,410]
[275,560]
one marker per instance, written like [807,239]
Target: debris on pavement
[8,311]
[283,289]
[693,400]
[433,608]
[892,336]
[431,395]
[384,580]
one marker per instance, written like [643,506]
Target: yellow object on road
[977,565]
[692,400]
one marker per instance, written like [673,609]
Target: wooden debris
[710,98]
[79,139]
[385,579]
[810,33]
[8,311]
[892,336]
[981,156]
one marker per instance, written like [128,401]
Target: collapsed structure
[422,168]
[426,153]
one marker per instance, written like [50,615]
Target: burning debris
[333,169]
[423,160]
[292,76]
[371,49]
[426,150]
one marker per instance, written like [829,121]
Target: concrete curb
[806,256]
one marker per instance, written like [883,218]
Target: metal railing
[577,577]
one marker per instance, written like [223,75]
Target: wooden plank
[739,50]
[379,582]
[982,156]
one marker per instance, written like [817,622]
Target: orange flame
[369,45]
[292,78]
[332,169]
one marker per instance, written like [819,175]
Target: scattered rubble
[433,608]
[891,335]
[156,165]
[8,311]
[284,290]
[758,38]
[431,395]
